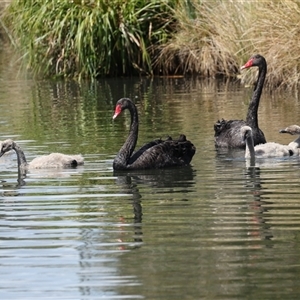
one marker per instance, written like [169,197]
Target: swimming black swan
[293,130]
[266,150]
[156,154]
[227,133]
[53,160]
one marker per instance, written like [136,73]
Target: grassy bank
[89,38]
[219,36]
[115,37]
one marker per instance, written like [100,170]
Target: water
[215,230]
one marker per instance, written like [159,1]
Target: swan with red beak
[227,132]
[156,154]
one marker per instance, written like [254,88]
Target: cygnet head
[292,129]
[6,146]
[246,132]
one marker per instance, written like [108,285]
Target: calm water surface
[215,230]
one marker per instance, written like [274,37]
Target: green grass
[86,39]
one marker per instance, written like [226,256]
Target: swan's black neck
[252,119]
[20,155]
[122,159]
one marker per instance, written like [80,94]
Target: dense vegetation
[89,38]
[82,38]
[222,34]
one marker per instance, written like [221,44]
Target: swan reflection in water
[14,187]
[244,181]
[258,206]
[128,187]
[176,180]
[162,178]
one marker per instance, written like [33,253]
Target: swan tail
[219,126]
[227,134]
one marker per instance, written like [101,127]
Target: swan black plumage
[53,160]
[155,154]
[227,133]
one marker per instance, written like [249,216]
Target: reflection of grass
[115,37]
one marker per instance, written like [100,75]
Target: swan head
[122,104]
[246,132]
[254,61]
[292,129]
[6,146]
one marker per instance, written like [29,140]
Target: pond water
[214,230]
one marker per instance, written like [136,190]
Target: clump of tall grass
[88,38]
[198,46]
[216,37]
[275,34]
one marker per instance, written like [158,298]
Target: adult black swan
[156,154]
[227,133]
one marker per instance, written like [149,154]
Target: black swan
[227,133]
[53,160]
[155,154]
[267,150]
[293,130]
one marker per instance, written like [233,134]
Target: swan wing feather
[56,160]
[227,134]
[167,153]
[272,149]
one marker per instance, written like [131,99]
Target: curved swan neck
[250,151]
[251,119]
[134,130]
[127,149]
[295,143]
[20,155]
